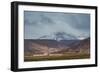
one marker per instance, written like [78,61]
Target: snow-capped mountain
[59,36]
[81,38]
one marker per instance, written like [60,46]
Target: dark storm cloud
[36,18]
[38,24]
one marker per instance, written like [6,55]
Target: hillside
[52,46]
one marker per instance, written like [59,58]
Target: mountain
[82,45]
[58,42]
[45,46]
[31,47]
[58,36]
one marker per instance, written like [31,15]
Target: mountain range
[60,36]
[51,46]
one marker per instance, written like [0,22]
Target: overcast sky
[37,24]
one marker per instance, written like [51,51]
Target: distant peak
[81,38]
[58,36]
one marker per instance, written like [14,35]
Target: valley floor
[57,57]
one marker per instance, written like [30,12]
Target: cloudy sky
[37,24]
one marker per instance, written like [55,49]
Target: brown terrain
[49,48]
